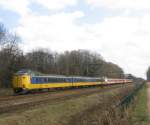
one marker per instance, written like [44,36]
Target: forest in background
[148,74]
[75,62]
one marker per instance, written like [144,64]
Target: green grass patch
[140,115]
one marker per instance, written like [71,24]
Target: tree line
[76,62]
[148,74]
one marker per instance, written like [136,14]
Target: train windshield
[26,71]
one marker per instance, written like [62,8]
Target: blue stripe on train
[48,80]
[41,80]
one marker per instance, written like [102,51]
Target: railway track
[19,103]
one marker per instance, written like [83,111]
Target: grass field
[62,113]
[140,114]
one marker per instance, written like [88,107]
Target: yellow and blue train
[25,81]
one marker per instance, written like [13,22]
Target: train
[25,81]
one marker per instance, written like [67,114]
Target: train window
[87,80]
[55,80]
[76,80]
[33,80]
[82,80]
[41,80]
[64,80]
[58,80]
[45,80]
[68,79]
[79,80]
[52,80]
[37,80]
[49,80]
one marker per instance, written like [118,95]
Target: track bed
[23,102]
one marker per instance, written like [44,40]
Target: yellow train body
[26,81]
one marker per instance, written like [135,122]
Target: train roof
[37,74]
[61,76]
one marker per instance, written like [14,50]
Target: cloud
[120,4]
[126,42]
[120,38]
[22,6]
[18,6]
[56,4]
[53,31]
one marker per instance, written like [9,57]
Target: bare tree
[9,55]
[2,34]
[40,60]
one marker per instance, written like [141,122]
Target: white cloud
[121,39]
[56,31]
[18,6]
[56,4]
[126,42]
[22,6]
[120,4]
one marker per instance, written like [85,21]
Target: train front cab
[21,82]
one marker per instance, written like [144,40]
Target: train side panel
[29,82]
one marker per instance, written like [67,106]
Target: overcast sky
[117,29]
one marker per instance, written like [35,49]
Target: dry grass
[5,92]
[105,113]
[95,109]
